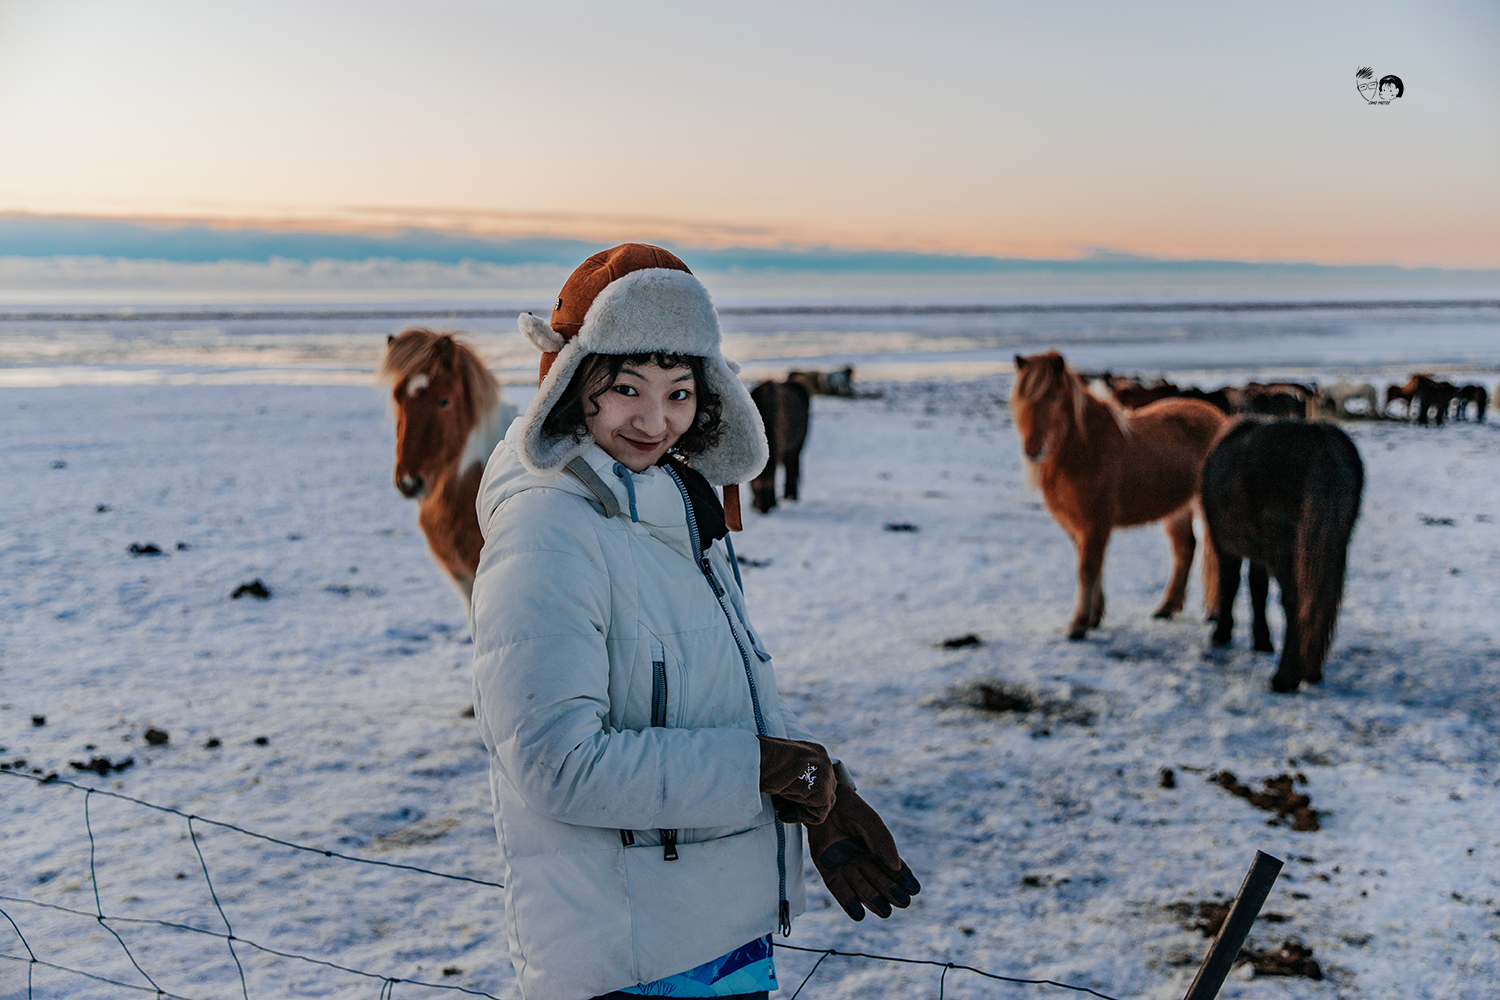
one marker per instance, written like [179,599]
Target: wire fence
[228,939]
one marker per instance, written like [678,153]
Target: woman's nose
[650,416]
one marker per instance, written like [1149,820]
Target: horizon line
[34,235]
[130,315]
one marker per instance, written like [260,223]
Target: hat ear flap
[540,333]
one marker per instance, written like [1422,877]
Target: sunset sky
[1174,129]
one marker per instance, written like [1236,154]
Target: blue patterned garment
[747,969]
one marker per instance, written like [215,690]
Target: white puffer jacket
[587,629]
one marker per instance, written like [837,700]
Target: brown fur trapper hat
[636,299]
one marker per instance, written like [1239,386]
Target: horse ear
[1056,362]
[390,339]
[1020,363]
[444,348]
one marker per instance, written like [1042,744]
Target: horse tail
[1330,505]
[1209,566]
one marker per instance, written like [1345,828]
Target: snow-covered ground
[1047,845]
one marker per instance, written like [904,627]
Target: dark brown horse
[1467,394]
[449,417]
[834,383]
[1424,396]
[1433,397]
[784,409]
[1274,399]
[1101,467]
[1284,495]
[1133,395]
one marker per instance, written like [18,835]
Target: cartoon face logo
[1382,91]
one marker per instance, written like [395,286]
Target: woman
[637,740]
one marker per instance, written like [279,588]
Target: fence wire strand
[387,983]
[54,780]
[945,966]
[94,879]
[229,939]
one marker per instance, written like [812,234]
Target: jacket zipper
[659,720]
[785,908]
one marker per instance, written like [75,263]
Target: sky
[1170,129]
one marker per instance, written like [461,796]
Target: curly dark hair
[597,372]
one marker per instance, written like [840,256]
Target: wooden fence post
[1231,937]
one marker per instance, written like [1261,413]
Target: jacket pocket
[658,684]
[669,684]
[659,700]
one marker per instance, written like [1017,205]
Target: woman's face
[643,413]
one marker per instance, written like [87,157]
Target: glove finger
[839,888]
[867,893]
[903,882]
[883,881]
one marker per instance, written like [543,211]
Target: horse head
[1046,402]
[440,389]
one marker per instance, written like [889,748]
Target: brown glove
[799,773]
[857,857]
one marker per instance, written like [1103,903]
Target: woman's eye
[680,394]
[626,390]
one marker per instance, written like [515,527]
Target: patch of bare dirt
[1279,796]
[1292,958]
[994,695]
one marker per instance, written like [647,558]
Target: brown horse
[1101,467]
[1405,393]
[784,409]
[1424,395]
[449,417]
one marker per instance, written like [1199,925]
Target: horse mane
[417,349]
[1036,381]
[1101,392]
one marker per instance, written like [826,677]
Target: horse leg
[1289,672]
[1090,610]
[1097,615]
[1229,586]
[1260,590]
[763,487]
[1179,528]
[792,463]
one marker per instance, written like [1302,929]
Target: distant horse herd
[1425,395]
[1426,398]
[1274,485]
